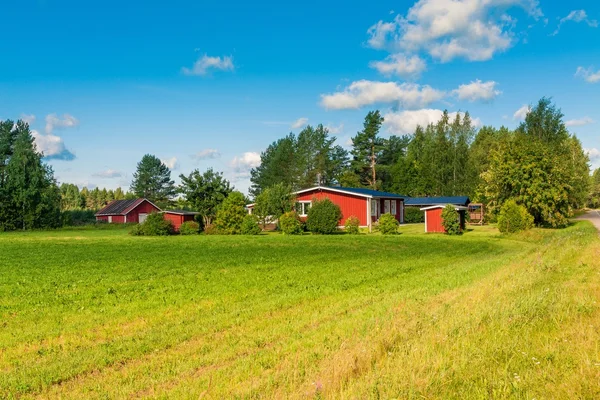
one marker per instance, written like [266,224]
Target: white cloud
[28,118]
[580,122]
[362,93]
[299,123]
[521,113]
[51,146]
[206,154]
[447,29]
[401,65]
[576,16]
[588,74]
[206,63]
[53,121]
[406,122]
[246,162]
[334,130]
[593,153]
[477,90]
[170,163]
[108,174]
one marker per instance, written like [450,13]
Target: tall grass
[97,314]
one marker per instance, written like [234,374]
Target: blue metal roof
[434,201]
[369,192]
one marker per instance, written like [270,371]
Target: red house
[433,218]
[178,217]
[125,211]
[365,204]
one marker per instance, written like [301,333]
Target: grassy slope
[99,313]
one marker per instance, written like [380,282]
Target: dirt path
[593,216]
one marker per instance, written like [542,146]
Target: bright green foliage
[250,226]
[514,218]
[29,195]
[189,228]
[594,195]
[152,180]
[205,192]
[366,147]
[451,220]
[231,213]
[154,225]
[273,202]
[412,215]
[387,224]
[352,225]
[323,217]
[290,223]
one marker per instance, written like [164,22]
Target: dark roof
[122,207]
[181,212]
[370,192]
[434,201]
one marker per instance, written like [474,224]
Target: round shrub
[231,213]
[323,217]
[154,225]
[412,215]
[352,225]
[451,220]
[514,218]
[189,228]
[211,229]
[250,225]
[290,223]
[388,225]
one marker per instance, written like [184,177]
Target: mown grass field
[100,314]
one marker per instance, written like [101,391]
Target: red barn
[178,217]
[365,204]
[125,211]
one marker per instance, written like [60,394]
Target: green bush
[352,225]
[154,225]
[211,229]
[189,228]
[323,217]
[250,225]
[231,213]
[514,218]
[290,223]
[412,215]
[451,220]
[387,224]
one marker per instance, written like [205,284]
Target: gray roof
[122,207]
[434,201]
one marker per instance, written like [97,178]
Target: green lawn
[101,314]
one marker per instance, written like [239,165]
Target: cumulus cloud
[474,30]
[580,122]
[53,121]
[401,65]
[576,16]
[28,118]
[299,123]
[593,154]
[52,147]
[521,113]
[206,154]
[170,163]
[245,162]
[477,90]
[406,122]
[334,130]
[588,74]
[108,174]
[206,63]
[364,92]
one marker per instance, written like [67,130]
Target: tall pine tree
[152,180]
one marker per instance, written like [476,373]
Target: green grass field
[101,314]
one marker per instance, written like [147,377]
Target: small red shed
[433,218]
[178,217]
[126,211]
[365,204]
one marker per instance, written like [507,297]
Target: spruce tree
[152,180]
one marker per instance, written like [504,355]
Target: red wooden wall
[433,219]
[349,204]
[144,207]
[177,219]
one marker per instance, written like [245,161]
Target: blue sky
[212,85]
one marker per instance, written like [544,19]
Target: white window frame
[393,207]
[374,205]
[386,207]
[304,211]
[110,219]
